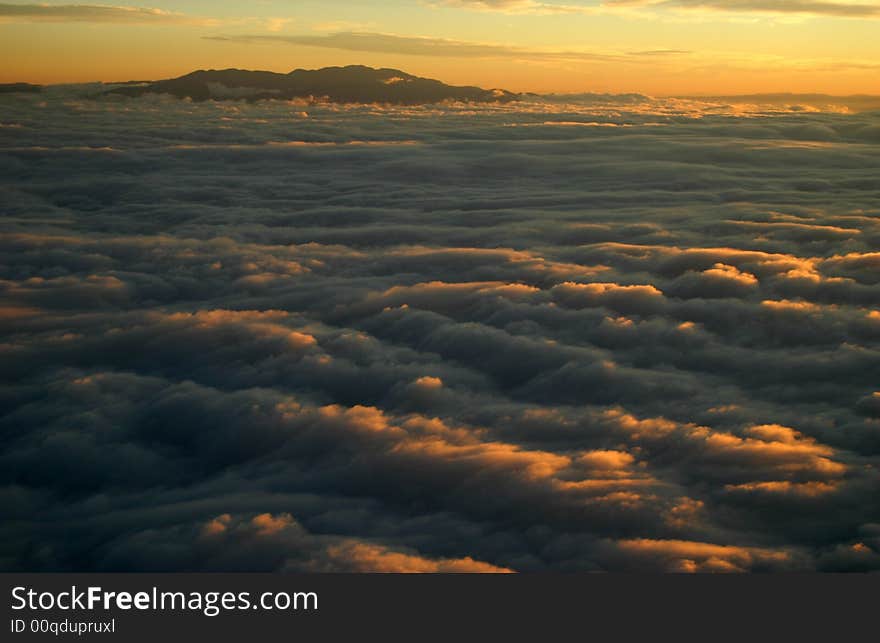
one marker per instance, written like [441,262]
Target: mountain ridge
[349,84]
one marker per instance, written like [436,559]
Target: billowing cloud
[298,550]
[583,333]
[688,557]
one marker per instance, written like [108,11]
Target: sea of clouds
[586,333]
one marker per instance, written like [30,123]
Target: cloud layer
[587,333]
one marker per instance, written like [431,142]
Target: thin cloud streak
[781,7]
[515,7]
[94,14]
[432,47]
[784,7]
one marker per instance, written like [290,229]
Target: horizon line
[524,92]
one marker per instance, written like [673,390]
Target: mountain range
[352,84]
[360,84]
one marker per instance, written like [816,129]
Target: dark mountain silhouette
[353,84]
[20,88]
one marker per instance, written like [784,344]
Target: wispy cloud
[784,7]
[93,13]
[659,52]
[866,9]
[513,6]
[435,47]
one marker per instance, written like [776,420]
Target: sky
[660,47]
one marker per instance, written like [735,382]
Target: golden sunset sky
[662,47]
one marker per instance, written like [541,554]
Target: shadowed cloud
[581,333]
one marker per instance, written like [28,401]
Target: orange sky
[669,47]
